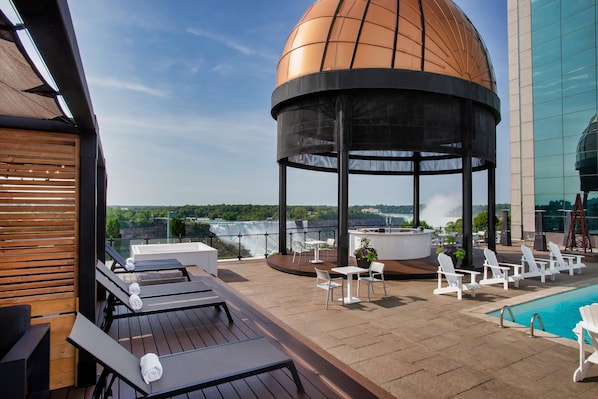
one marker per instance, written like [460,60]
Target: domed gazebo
[401,87]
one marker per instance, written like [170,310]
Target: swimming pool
[559,312]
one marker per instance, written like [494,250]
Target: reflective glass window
[547,90]
[550,71]
[549,187]
[548,168]
[569,7]
[547,109]
[579,61]
[546,52]
[579,41]
[571,187]
[580,102]
[569,164]
[579,81]
[548,128]
[545,12]
[575,123]
[570,146]
[551,148]
[546,34]
[577,21]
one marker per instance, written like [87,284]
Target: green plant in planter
[452,249]
[366,251]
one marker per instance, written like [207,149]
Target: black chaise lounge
[159,304]
[148,291]
[142,266]
[184,371]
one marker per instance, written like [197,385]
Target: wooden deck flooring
[322,376]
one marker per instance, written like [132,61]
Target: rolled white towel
[151,368]
[134,289]
[130,265]
[135,302]
[131,260]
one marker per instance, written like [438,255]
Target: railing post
[266,245]
[239,253]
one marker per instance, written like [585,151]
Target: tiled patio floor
[416,344]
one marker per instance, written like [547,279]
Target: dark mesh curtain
[388,131]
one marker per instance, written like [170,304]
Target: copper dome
[420,35]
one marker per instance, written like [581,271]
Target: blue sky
[182,94]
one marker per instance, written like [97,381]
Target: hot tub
[395,243]
[188,253]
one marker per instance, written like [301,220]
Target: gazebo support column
[416,201]
[491,208]
[343,132]
[282,209]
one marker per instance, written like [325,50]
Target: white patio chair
[536,267]
[567,262]
[589,323]
[454,280]
[502,273]
[325,282]
[300,249]
[329,248]
[375,275]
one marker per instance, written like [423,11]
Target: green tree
[480,221]
[177,227]
[113,228]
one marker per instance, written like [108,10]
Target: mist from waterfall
[253,234]
[438,207]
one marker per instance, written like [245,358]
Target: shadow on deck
[322,375]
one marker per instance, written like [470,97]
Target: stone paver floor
[416,344]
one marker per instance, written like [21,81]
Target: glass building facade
[554,87]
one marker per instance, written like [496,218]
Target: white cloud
[222,40]
[122,85]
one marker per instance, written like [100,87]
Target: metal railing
[231,246]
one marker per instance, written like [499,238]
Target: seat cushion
[15,321]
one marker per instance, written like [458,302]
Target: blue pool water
[559,312]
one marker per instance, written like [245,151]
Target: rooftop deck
[413,344]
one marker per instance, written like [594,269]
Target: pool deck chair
[142,266]
[502,273]
[589,324]
[153,305]
[183,371]
[148,291]
[454,280]
[567,262]
[536,267]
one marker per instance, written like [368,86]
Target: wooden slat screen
[39,175]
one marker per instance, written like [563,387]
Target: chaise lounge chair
[589,323]
[454,280]
[157,304]
[182,372]
[563,263]
[141,266]
[502,273]
[536,267]
[153,290]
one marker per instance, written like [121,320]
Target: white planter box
[188,253]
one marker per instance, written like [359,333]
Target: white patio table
[349,271]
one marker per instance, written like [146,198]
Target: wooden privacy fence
[39,208]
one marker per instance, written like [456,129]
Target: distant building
[370,210]
[553,101]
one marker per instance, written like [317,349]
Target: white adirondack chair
[536,267]
[502,273]
[454,280]
[589,323]
[562,263]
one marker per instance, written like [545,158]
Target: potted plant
[454,250]
[365,254]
